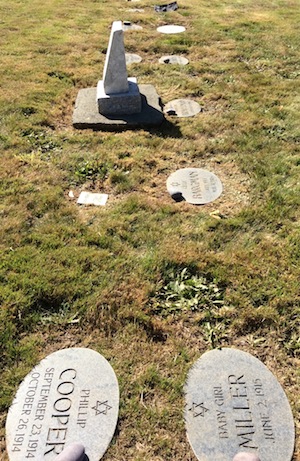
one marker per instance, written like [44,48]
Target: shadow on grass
[167,129]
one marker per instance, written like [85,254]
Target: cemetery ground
[149,283]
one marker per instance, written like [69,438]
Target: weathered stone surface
[86,113]
[70,396]
[115,78]
[171,29]
[235,404]
[132,58]
[119,103]
[182,108]
[194,185]
[173,59]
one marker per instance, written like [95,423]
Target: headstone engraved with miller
[118,102]
[234,404]
[71,397]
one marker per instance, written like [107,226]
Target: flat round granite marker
[127,25]
[132,58]
[171,29]
[182,108]
[194,185]
[235,404]
[173,59]
[70,396]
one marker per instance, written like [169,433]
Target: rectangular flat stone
[86,113]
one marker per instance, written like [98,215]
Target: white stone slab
[171,29]
[173,59]
[132,58]
[235,404]
[70,396]
[92,198]
[182,108]
[115,78]
[194,185]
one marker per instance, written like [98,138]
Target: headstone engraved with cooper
[194,185]
[182,108]
[235,404]
[72,396]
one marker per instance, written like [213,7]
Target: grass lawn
[138,279]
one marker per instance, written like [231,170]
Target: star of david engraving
[198,409]
[101,408]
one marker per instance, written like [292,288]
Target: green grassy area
[150,283]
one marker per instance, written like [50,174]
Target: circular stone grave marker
[235,404]
[136,10]
[70,396]
[127,25]
[173,59]
[194,185]
[182,108]
[132,58]
[171,29]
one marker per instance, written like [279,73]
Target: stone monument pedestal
[128,102]
[118,102]
[86,113]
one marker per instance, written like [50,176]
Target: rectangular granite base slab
[86,113]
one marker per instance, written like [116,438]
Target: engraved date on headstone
[247,409]
[71,396]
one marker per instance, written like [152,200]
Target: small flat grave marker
[235,404]
[171,29]
[136,10]
[182,108]
[127,25]
[70,396]
[132,58]
[92,198]
[173,59]
[194,185]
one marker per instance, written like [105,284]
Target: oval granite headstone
[194,185]
[132,58]
[70,396]
[182,108]
[235,404]
[171,29]
[173,59]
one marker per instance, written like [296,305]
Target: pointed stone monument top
[116,93]
[115,79]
